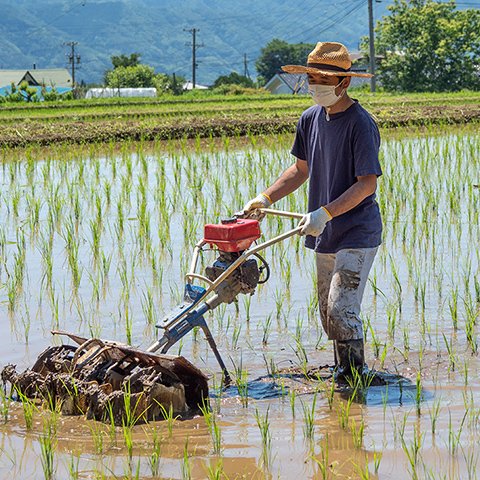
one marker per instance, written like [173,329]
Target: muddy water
[420,311]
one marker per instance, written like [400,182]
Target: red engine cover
[233,235]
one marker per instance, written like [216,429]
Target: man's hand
[260,201]
[313,223]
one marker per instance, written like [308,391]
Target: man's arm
[365,186]
[289,181]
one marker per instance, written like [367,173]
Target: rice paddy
[206,115]
[95,239]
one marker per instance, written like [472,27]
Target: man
[336,148]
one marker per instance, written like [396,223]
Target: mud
[110,382]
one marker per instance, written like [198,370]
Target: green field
[194,115]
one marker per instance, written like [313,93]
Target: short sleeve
[298,149]
[366,145]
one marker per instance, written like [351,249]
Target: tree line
[422,45]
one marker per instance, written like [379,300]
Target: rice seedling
[186,466]
[155,456]
[309,419]
[214,469]
[454,434]
[169,418]
[48,444]
[292,396]
[323,463]
[266,437]
[241,382]
[29,408]
[412,451]
[213,426]
[357,432]
[377,458]
[73,467]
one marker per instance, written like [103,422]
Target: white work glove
[260,201]
[313,223]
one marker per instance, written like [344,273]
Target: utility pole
[194,46]
[73,59]
[372,45]
[246,73]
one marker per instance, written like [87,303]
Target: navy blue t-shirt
[338,151]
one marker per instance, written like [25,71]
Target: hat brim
[330,73]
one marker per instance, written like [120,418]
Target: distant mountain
[34,31]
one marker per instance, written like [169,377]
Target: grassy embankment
[100,120]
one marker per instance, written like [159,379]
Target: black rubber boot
[349,355]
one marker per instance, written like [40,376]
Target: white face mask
[324,95]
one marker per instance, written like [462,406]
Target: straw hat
[327,58]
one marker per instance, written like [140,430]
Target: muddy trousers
[342,277]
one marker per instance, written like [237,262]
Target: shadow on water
[261,388]
[380,388]
[385,388]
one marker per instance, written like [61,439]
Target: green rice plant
[263,423]
[327,387]
[471,315]
[132,413]
[471,460]
[266,329]
[375,342]
[155,456]
[454,435]
[148,307]
[73,467]
[186,466]
[344,411]
[279,297]
[127,432]
[213,426]
[357,432]
[465,373]
[48,444]
[4,404]
[412,451]
[418,393]
[247,302]
[377,458]
[434,413]
[451,353]
[301,354]
[309,419]
[214,469]
[110,418]
[241,382]
[292,395]
[29,408]
[323,463]
[237,329]
[168,417]
[363,471]
[453,307]
[98,433]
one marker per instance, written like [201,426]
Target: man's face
[320,79]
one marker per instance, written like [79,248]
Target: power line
[194,46]
[73,59]
[38,29]
[332,20]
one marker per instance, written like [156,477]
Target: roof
[7,77]
[189,86]
[59,77]
[296,82]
